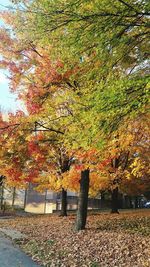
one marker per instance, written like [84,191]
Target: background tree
[2,179]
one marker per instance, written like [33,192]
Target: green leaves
[100,30]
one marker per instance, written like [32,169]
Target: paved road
[11,256]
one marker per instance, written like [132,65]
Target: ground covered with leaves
[109,241]
[7,213]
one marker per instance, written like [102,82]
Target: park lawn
[109,240]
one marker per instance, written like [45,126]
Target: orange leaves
[33,147]
[122,239]
[59,64]
[79,168]
[103,164]
[71,179]
[32,72]
[5,39]
[13,175]
[89,155]
[99,174]
[98,182]
[8,17]
[31,175]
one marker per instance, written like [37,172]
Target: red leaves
[33,148]
[59,64]
[32,174]
[5,38]
[37,154]
[79,167]
[13,173]
[33,108]
[103,164]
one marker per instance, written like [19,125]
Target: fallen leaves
[131,224]
[109,240]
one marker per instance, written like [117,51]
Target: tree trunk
[130,203]
[83,200]
[25,198]
[65,166]
[136,202]
[102,200]
[114,200]
[2,197]
[63,203]
[13,196]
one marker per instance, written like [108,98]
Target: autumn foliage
[80,112]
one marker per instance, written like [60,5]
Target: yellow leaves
[71,180]
[48,181]
[55,181]
[28,138]
[132,133]
[138,167]
[88,6]
[128,175]
[98,182]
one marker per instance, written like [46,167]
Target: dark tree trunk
[65,166]
[136,202]
[63,203]
[2,197]
[130,203]
[114,200]
[2,178]
[83,201]
[102,200]
[13,197]
[25,198]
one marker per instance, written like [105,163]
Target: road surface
[11,256]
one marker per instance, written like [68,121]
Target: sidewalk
[11,256]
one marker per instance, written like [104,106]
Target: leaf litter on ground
[109,240]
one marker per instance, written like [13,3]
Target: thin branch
[8,126]
[48,129]
[128,5]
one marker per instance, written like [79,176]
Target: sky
[8,101]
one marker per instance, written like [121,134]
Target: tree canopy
[81,68]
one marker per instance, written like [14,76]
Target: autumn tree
[100,93]
[119,30]
[129,169]
[38,89]
[36,156]
[41,87]
[92,33]
[42,93]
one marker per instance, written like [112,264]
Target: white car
[147,204]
